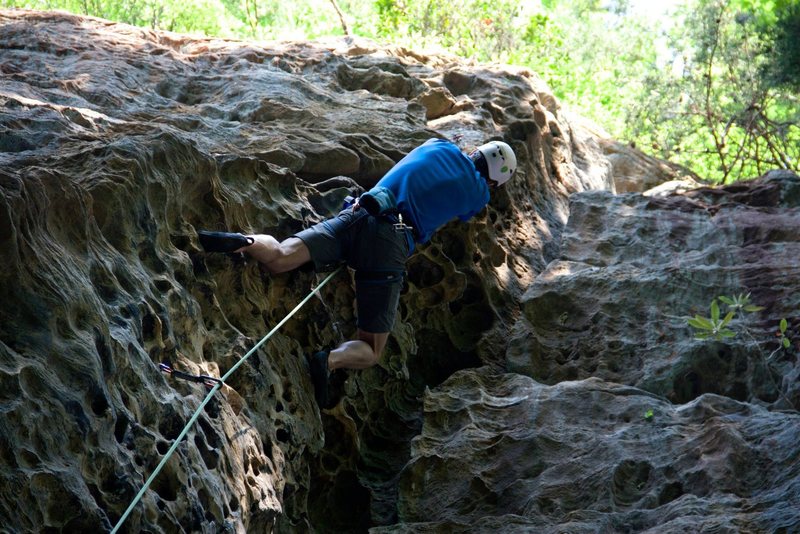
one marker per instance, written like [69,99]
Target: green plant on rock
[784,342]
[740,303]
[713,326]
[721,328]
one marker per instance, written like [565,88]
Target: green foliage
[783,67]
[392,17]
[720,114]
[572,48]
[720,329]
[784,340]
[713,326]
[206,17]
[713,86]
[483,29]
[740,303]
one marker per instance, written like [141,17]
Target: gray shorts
[377,253]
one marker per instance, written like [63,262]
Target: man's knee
[369,359]
[376,342]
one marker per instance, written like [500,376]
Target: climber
[433,184]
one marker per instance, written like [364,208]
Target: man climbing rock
[433,184]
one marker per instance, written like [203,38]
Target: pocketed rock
[117,144]
[633,268]
[504,453]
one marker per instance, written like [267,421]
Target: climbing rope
[218,383]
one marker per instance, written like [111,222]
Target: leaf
[698,323]
[728,318]
[786,343]
[727,333]
[714,311]
[784,325]
[706,323]
[751,308]
[705,320]
[727,301]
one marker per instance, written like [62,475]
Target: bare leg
[278,257]
[358,354]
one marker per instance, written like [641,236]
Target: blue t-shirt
[435,183]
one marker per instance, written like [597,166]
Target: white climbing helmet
[500,160]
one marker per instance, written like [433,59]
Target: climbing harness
[217,384]
[388,211]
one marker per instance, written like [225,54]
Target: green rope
[217,386]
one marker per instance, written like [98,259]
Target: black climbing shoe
[223,241]
[318,367]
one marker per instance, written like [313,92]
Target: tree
[784,62]
[719,113]
[480,29]
[716,91]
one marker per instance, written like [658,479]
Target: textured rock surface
[706,441]
[632,170]
[636,172]
[504,453]
[116,145]
[632,266]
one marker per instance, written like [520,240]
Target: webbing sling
[210,394]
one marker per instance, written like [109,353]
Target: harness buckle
[400,226]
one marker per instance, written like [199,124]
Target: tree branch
[341,18]
[720,146]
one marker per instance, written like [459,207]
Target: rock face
[632,170]
[504,453]
[116,145]
[539,349]
[642,428]
[632,267]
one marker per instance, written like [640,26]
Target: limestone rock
[438,102]
[632,267]
[504,453]
[636,172]
[626,422]
[116,145]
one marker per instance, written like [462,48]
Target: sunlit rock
[116,145]
[633,268]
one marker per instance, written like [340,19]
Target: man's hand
[356,205]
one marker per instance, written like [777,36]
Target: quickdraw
[208,381]
[216,383]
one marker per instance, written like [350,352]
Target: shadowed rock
[503,453]
[116,145]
